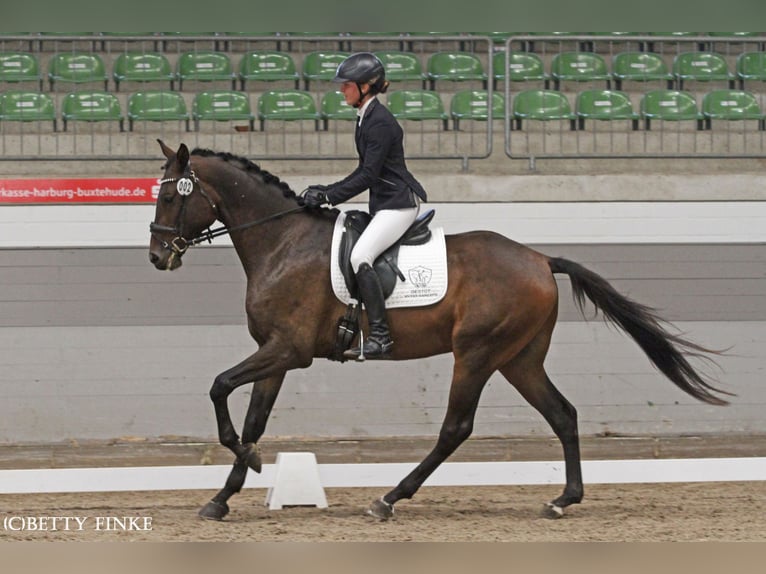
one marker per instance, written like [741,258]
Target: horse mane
[248,166]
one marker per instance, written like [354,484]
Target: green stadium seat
[418,105]
[669,106]
[205,67]
[22,106]
[320,66]
[17,67]
[455,67]
[701,67]
[640,67]
[542,105]
[91,107]
[522,67]
[604,105]
[157,106]
[751,67]
[76,68]
[222,106]
[142,67]
[472,105]
[402,66]
[287,106]
[334,107]
[579,67]
[731,105]
[267,66]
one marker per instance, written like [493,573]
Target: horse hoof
[253,457]
[550,510]
[381,509]
[214,510]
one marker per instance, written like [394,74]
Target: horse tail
[666,351]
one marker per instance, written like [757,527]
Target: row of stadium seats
[420,105]
[271,66]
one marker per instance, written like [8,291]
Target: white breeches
[386,227]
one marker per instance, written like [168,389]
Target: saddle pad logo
[420,276]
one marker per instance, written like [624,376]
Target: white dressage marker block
[296,482]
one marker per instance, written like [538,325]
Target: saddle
[386,264]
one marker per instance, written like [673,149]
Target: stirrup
[372,348]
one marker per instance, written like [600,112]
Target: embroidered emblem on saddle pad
[416,278]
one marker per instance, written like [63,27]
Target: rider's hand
[315,196]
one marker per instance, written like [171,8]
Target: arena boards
[386,474]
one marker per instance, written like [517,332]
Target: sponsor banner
[78,191]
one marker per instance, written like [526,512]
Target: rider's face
[351,93]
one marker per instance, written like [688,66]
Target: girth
[386,264]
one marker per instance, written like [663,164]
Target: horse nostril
[153,257]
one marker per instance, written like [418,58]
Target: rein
[211,234]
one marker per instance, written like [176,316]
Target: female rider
[395,194]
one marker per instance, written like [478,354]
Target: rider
[395,194]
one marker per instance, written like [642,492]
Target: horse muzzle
[165,260]
[164,255]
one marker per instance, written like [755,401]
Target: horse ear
[182,155]
[169,153]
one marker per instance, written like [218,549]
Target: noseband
[185,185]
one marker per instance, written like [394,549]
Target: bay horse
[498,314]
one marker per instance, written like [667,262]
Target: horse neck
[245,198]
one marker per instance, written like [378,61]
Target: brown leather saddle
[386,264]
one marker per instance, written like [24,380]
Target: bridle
[185,185]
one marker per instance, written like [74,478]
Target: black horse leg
[261,402]
[269,361]
[456,428]
[535,386]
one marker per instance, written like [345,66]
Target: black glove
[315,196]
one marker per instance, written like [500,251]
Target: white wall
[549,223]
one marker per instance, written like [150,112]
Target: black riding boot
[378,342]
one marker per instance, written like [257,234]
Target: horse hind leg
[261,402]
[469,378]
[527,374]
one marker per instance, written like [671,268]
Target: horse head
[184,209]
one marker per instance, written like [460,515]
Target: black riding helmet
[363,68]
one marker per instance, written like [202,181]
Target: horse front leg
[270,362]
[261,402]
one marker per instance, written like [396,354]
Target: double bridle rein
[185,185]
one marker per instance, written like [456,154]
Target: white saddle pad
[424,268]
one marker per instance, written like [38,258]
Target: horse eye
[167,197]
